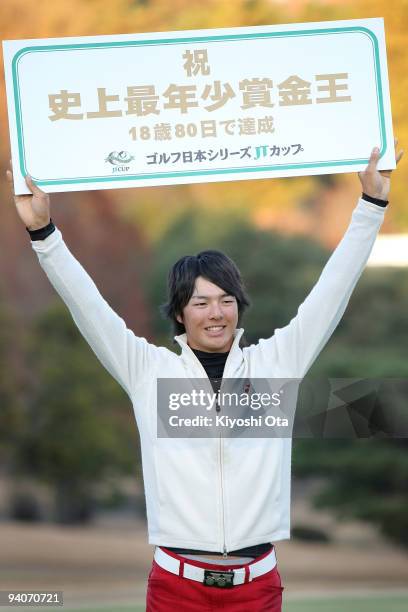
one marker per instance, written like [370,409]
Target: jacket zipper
[221,471]
[221,463]
[221,459]
[221,448]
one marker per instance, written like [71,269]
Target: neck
[209,352]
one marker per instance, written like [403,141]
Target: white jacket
[213,494]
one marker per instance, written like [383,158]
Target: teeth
[215,327]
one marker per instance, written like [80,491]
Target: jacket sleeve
[127,357]
[295,347]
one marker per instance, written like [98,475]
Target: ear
[179,318]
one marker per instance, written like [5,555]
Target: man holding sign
[215,508]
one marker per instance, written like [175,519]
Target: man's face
[210,318]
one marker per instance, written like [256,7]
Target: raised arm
[127,357]
[296,346]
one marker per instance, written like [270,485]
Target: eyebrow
[206,297]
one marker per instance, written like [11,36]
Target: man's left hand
[376,183]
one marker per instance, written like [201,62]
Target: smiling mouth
[215,328]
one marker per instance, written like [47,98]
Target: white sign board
[133,110]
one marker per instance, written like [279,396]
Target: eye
[228,301]
[200,304]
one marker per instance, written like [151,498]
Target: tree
[11,408]
[364,479]
[79,429]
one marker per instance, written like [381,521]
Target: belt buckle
[219,579]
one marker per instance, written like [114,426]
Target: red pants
[167,592]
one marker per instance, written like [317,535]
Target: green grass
[357,604]
[363,604]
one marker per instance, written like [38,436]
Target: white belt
[257,568]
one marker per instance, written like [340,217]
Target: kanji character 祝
[196,61]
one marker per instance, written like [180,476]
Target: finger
[32,186]
[397,159]
[9,175]
[395,147]
[374,157]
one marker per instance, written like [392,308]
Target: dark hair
[214,266]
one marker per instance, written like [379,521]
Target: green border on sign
[169,41]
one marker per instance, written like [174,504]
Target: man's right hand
[34,209]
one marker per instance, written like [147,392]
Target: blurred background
[72,514]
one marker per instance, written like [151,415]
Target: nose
[215,311]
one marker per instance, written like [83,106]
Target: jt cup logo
[119,159]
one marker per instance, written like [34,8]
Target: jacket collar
[234,357]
